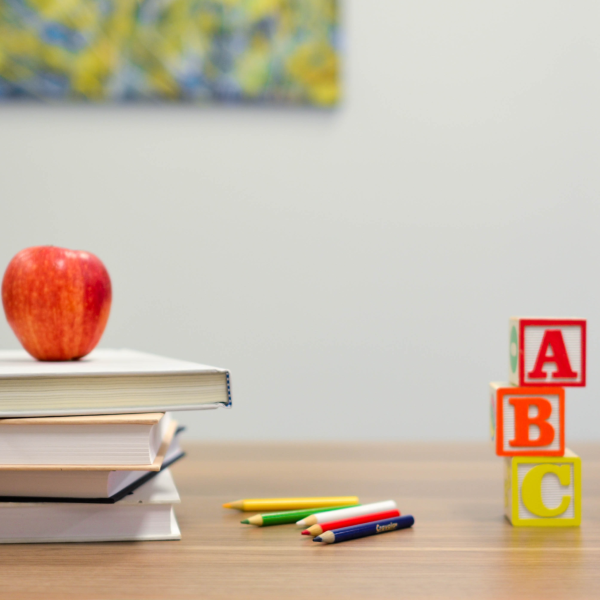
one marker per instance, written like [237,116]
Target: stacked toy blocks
[542,481]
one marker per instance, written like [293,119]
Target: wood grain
[460,547]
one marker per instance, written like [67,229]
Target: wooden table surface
[460,546]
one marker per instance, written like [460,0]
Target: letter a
[523,421]
[553,338]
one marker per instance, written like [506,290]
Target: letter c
[531,489]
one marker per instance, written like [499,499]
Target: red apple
[57,301]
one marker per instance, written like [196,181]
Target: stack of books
[85,446]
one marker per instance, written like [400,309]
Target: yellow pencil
[262,504]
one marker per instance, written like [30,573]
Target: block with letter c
[527,421]
[543,491]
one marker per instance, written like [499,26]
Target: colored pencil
[268,504]
[380,516]
[375,528]
[290,516]
[347,513]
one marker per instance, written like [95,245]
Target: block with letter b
[547,352]
[543,491]
[527,421]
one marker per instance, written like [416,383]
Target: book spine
[228,381]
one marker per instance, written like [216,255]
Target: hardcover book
[147,514]
[107,382]
[94,486]
[80,444]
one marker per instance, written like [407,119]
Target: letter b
[523,422]
[528,421]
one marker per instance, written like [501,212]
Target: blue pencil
[357,531]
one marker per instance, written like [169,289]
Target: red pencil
[319,529]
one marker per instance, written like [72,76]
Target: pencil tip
[301,523]
[306,532]
[227,505]
[317,539]
[245,522]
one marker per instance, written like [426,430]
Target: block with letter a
[543,491]
[527,421]
[547,352]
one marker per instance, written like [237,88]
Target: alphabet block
[543,492]
[547,352]
[527,421]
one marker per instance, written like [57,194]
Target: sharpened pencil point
[301,523]
[306,532]
[245,522]
[227,505]
[317,539]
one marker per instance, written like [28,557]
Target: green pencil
[289,516]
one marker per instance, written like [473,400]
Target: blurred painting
[170,50]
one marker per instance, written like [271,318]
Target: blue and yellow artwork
[170,50]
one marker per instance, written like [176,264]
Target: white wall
[355,270]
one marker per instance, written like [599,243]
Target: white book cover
[107,382]
[65,485]
[18,363]
[91,440]
[147,514]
